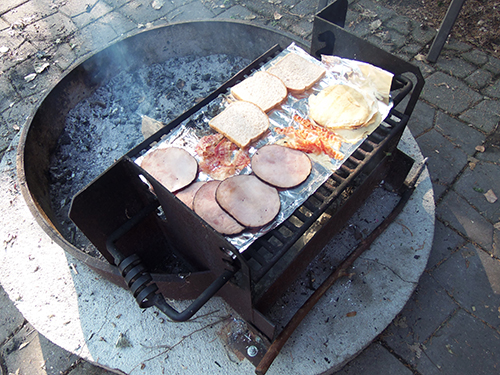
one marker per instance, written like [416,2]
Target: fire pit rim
[40,215]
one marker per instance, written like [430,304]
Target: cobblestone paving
[451,325]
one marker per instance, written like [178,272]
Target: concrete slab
[90,317]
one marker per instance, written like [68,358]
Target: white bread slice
[297,73]
[241,122]
[262,89]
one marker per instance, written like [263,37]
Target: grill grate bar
[323,198]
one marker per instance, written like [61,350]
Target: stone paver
[10,319]
[446,242]
[474,184]
[493,90]
[458,133]
[456,67]
[451,323]
[479,79]
[445,160]
[28,352]
[371,360]
[472,277]
[449,93]
[483,116]
[423,314]
[464,345]
[465,219]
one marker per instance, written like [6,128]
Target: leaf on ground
[490,196]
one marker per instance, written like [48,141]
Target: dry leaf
[122,342]
[375,25]
[420,57]
[490,196]
[277,16]
[497,226]
[39,68]
[150,126]
[23,345]
[448,347]
[472,162]
[30,77]
[250,17]
[157,4]
[351,314]
[480,148]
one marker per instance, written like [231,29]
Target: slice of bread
[241,122]
[297,73]
[263,89]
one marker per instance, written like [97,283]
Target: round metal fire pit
[40,137]
[86,305]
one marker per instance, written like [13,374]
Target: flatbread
[342,107]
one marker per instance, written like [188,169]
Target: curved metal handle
[139,282]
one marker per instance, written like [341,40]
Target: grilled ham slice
[173,167]
[281,166]
[250,201]
[206,206]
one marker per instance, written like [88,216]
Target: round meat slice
[281,166]
[206,206]
[173,167]
[250,201]
[187,194]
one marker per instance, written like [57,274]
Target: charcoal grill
[132,227]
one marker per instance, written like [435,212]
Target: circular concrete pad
[97,320]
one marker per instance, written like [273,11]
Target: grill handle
[139,280]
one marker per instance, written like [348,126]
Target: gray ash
[103,127]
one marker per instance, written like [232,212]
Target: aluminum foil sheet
[188,134]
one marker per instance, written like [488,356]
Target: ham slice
[206,206]
[187,194]
[250,201]
[281,166]
[173,167]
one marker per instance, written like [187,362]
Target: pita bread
[342,107]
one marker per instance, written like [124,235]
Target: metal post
[444,30]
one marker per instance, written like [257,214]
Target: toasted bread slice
[263,89]
[297,73]
[241,122]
